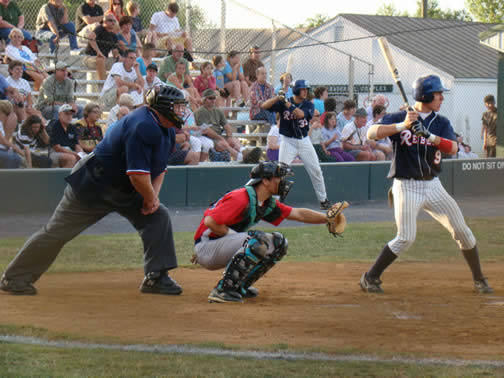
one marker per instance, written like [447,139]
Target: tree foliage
[313,22]
[433,11]
[390,10]
[486,10]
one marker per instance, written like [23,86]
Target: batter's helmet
[298,85]
[425,86]
[163,98]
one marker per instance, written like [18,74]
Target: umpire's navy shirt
[289,125]
[137,144]
[416,157]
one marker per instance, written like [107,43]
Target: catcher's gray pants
[72,216]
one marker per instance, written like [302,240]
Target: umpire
[123,175]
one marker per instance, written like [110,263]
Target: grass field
[362,243]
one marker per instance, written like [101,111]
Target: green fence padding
[379,184]
[345,181]
[174,189]
[478,177]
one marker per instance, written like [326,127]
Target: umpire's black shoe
[325,205]
[370,285]
[220,296]
[482,286]
[17,287]
[160,283]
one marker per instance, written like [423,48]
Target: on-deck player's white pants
[292,147]
[412,195]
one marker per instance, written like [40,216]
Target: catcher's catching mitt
[336,221]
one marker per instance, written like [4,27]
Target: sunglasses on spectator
[110,20]
[212,98]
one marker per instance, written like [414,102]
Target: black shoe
[158,283]
[250,292]
[17,287]
[325,205]
[370,285]
[482,286]
[253,157]
[220,296]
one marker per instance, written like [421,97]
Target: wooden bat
[382,41]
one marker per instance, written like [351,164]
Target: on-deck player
[416,163]
[295,115]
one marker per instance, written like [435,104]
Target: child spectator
[151,79]
[206,80]
[321,94]
[329,106]
[331,140]
[224,93]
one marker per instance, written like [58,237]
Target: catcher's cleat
[17,287]
[370,285]
[482,286]
[325,205]
[158,283]
[250,292]
[220,296]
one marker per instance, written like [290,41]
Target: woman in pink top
[206,80]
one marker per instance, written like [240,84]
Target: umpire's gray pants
[72,216]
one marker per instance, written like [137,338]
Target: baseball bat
[384,46]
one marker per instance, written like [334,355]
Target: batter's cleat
[482,286]
[370,285]
[220,296]
[250,292]
[17,287]
[325,205]
[158,283]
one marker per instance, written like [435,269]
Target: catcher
[222,239]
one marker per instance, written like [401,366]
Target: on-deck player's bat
[382,41]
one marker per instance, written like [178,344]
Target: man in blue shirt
[124,175]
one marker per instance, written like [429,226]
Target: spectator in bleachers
[133,10]
[151,79]
[124,77]
[64,138]
[16,51]
[125,100]
[127,37]
[347,114]
[206,80]
[260,92]
[329,106]
[15,80]
[170,62]
[53,23]
[166,32]
[219,131]
[285,85]
[182,80]
[252,64]
[315,134]
[122,111]
[182,154]
[11,17]
[56,90]
[7,92]
[90,133]
[331,140]
[464,150]
[489,127]
[321,94]
[224,98]
[116,8]
[87,16]
[384,144]
[33,135]
[101,42]
[355,140]
[377,100]
[10,154]
[146,58]
[234,80]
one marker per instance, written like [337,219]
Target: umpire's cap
[425,86]
[163,98]
[268,169]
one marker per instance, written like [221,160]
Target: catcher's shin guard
[244,261]
[280,244]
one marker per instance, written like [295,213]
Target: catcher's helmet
[425,86]
[268,169]
[298,85]
[163,98]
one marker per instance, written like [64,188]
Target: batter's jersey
[289,125]
[416,157]
[137,144]
[232,209]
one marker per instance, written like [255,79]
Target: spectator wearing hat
[355,142]
[252,64]
[216,126]
[101,42]
[56,90]
[10,154]
[11,17]
[64,138]
[151,79]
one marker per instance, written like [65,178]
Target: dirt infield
[427,310]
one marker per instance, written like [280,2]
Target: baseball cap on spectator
[5,107]
[361,112]
[61,65]
[66,108]
[209,93]
[152,66]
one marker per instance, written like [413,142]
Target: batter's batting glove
[419,130]
[336,221]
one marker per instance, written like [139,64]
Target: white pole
[351,77]
[273,53]
[188,17]
[223,27]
